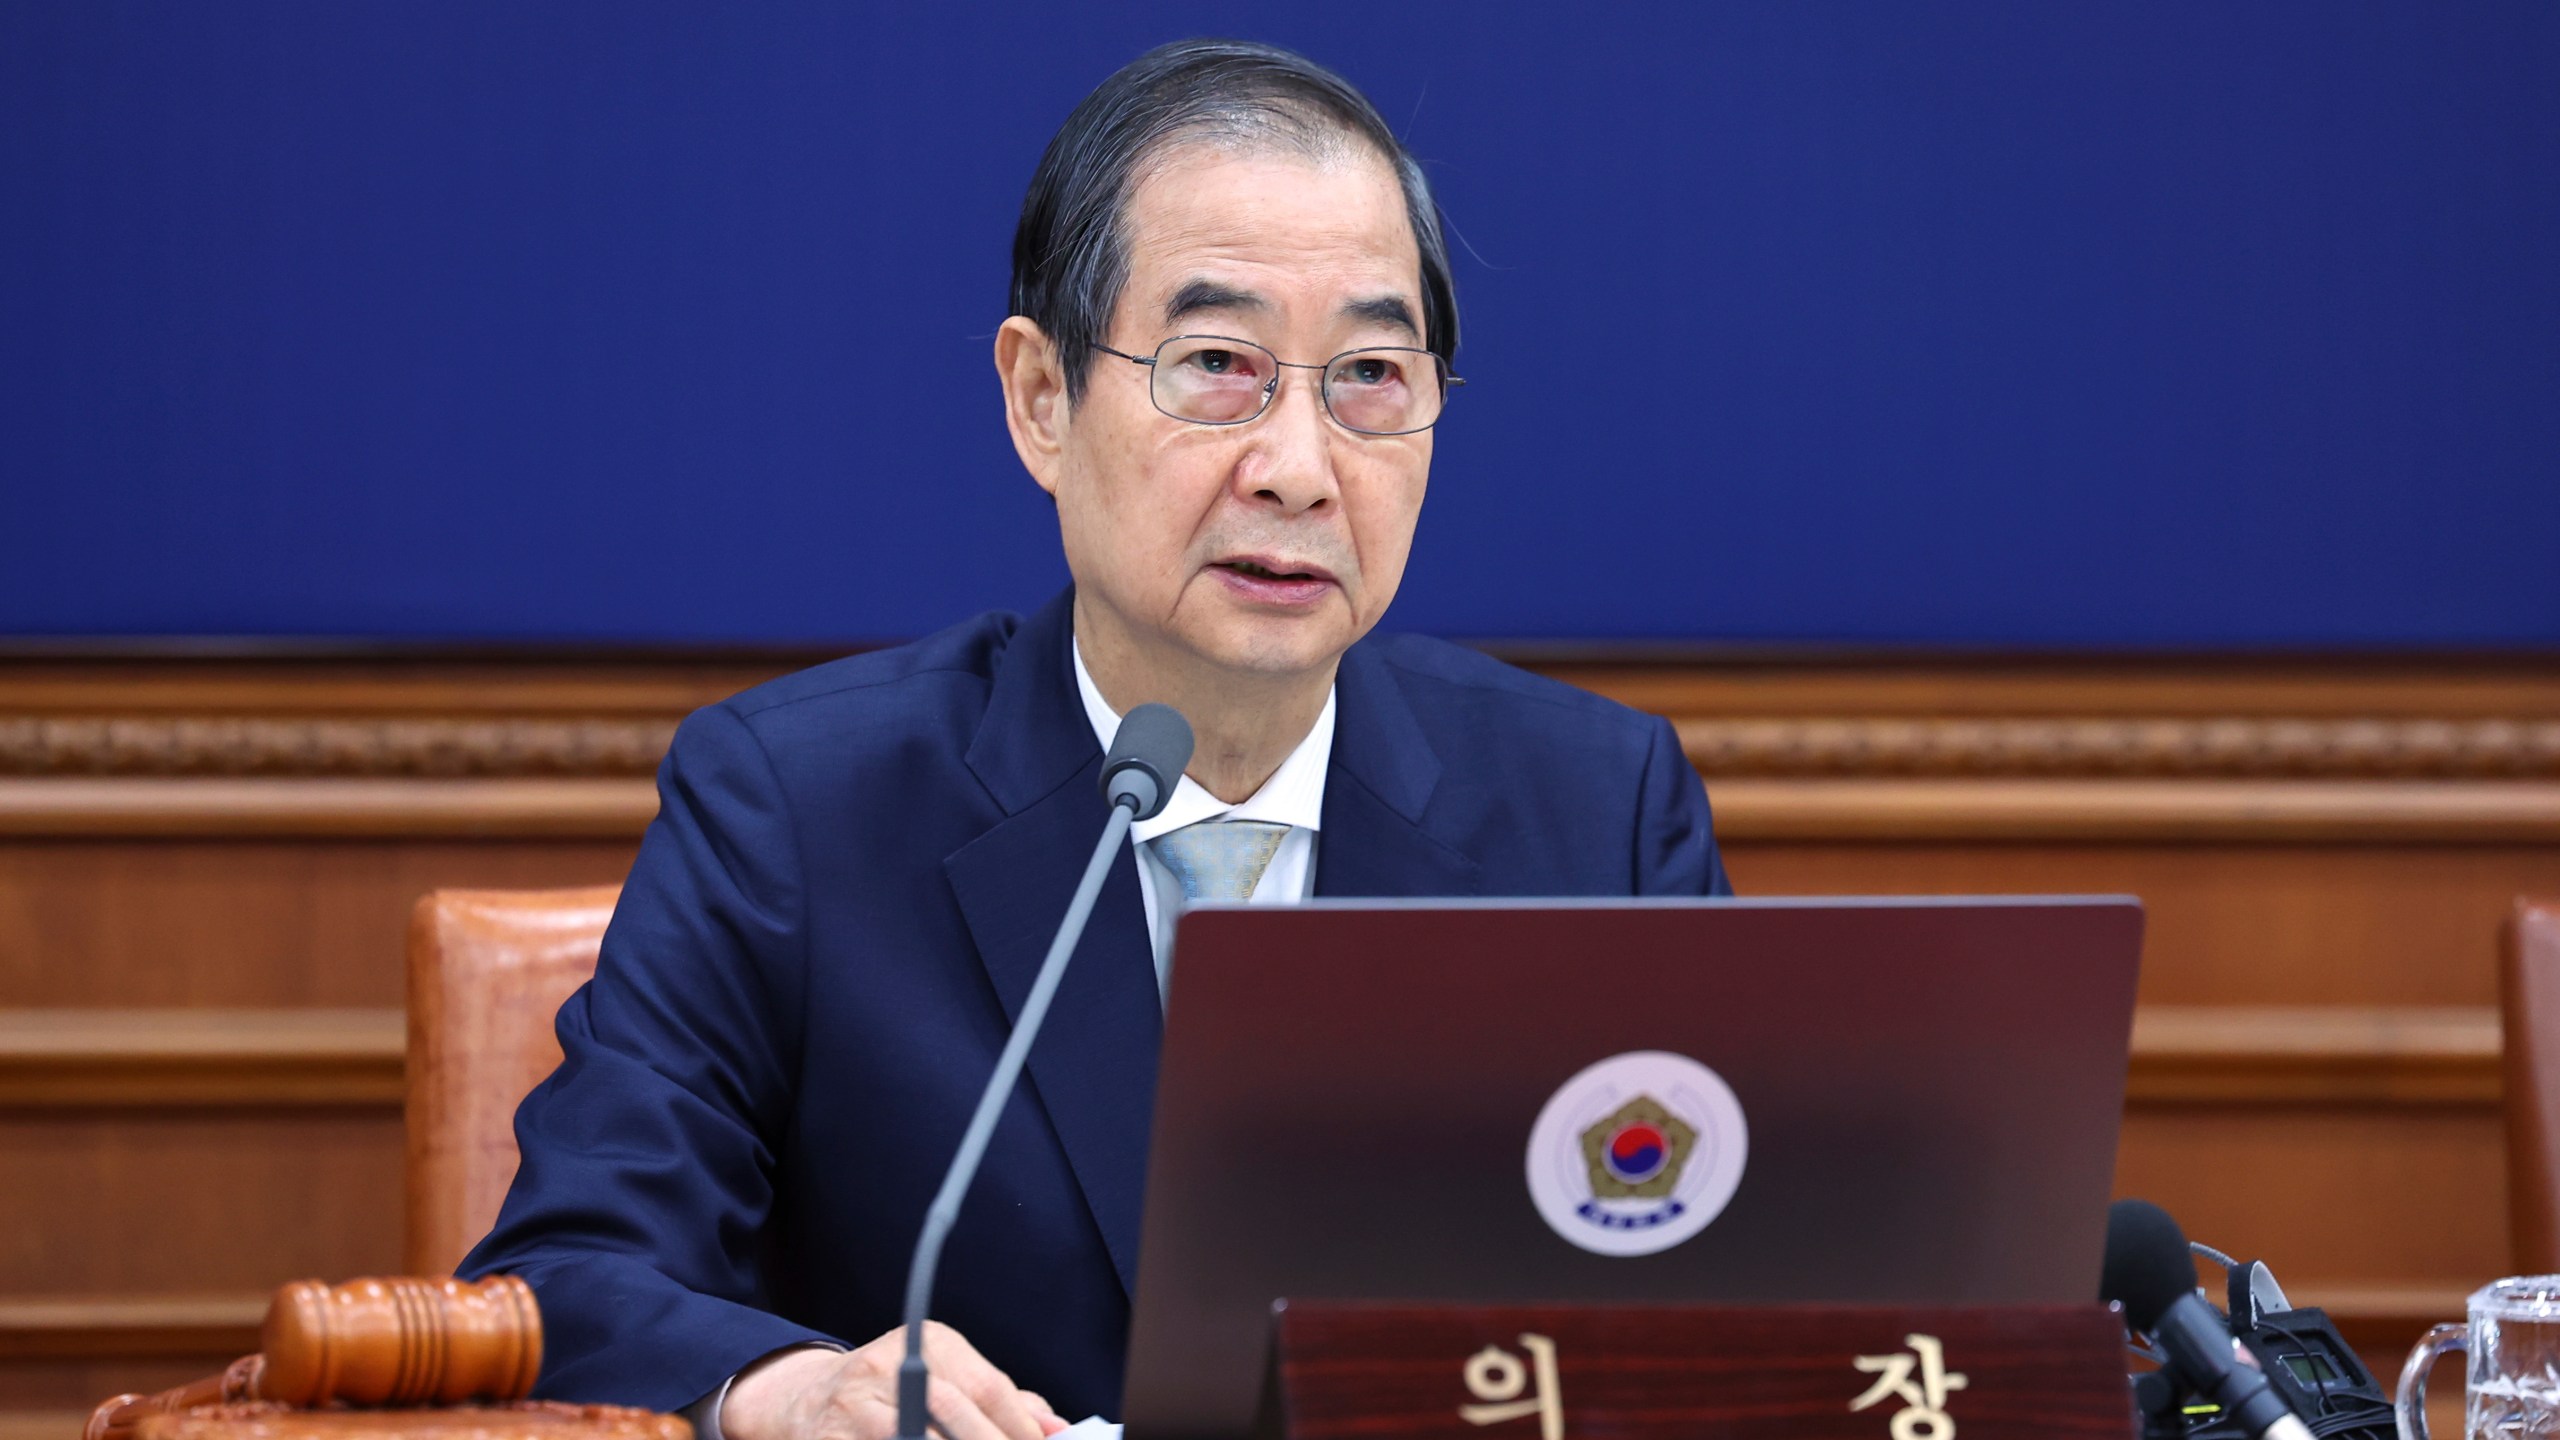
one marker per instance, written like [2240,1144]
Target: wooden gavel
[368,1342]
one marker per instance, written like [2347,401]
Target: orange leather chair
[487,972]
[2529,991]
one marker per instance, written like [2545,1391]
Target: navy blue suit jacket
[852,877]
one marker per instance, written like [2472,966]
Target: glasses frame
[1271,388]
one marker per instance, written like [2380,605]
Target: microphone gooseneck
[2151,1273]
[1146,761]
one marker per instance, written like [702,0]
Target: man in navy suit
[1231,334]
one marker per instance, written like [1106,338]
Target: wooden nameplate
[1353,1371]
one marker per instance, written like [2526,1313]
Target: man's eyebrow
[1385,310]
[1198,295]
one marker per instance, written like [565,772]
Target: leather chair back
[487,972]
[2529,991]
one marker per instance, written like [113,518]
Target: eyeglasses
[1220,380]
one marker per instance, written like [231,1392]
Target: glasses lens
[1212,381]
[1384,392]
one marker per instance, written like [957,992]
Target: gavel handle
[117,1419]
[368,1342]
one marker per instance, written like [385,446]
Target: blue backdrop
[2110,323]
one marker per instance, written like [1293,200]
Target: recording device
[1146,761]
[2265,1371]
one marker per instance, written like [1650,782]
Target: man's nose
[1292,461]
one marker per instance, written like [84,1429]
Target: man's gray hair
[1071,251]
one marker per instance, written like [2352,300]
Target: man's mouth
[1272,570]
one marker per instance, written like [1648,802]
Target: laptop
[1757,1100]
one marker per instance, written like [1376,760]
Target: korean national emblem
[1635,1152]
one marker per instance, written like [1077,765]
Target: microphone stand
[945,1210]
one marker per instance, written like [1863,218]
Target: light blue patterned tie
[1220,859]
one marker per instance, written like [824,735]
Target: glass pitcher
[2511,1385]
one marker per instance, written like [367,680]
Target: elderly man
[1231,337]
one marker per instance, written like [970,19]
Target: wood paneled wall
[206,865]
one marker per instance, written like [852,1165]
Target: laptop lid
[1651,1100]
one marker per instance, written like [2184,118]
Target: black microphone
[2152,1274]
[1147,757]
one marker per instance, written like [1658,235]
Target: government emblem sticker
[1637,1153]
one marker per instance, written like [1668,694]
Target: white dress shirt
[1293,796]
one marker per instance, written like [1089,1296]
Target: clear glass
[2511,1371]
[1220,380]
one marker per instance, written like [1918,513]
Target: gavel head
[401,1342]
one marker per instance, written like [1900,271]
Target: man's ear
[1035,398]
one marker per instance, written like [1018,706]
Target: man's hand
[853,1395]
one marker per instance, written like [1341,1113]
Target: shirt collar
[1294,795]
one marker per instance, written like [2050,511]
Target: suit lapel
[1094,1066]
[1377,789]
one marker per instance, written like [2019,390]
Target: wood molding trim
[1964,686]
[126,807]
[103,1327]
[2384,1318]
[353,1059]
[197,1059]
[410,715]
[2329,1055]
[1897,750]
[2179,747]
[598,745]
[1890,811]
[287,745]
